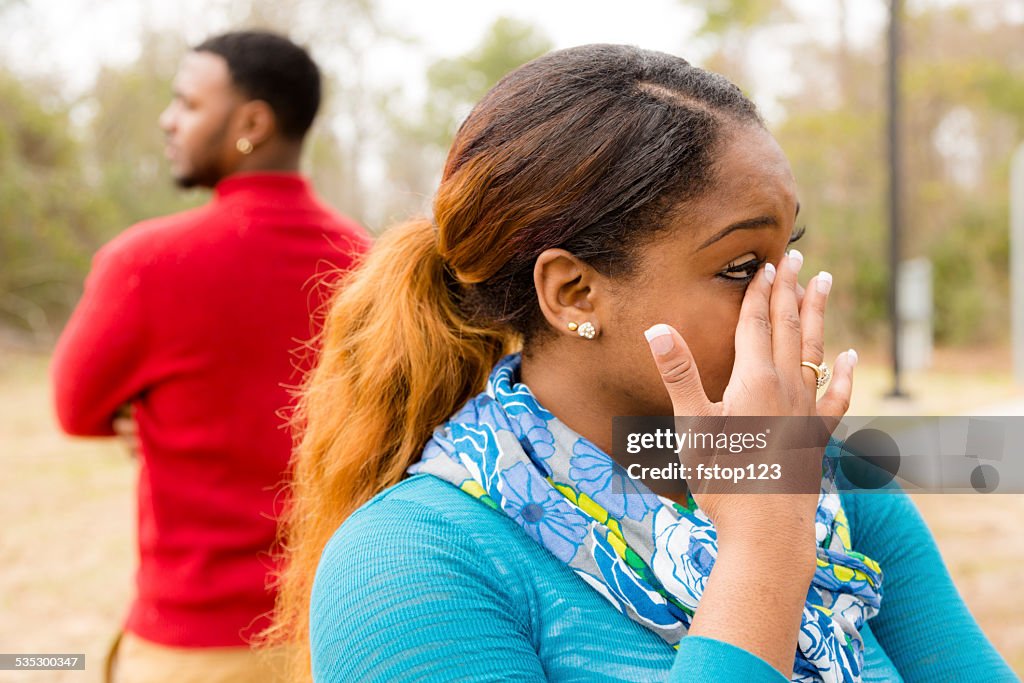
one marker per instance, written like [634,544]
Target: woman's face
[694,275]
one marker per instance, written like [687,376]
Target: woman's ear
[568,291]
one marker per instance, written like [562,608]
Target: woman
[623,218]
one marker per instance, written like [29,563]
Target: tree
[457,84]
[731,24]
[964,103]
[348,132]
[125,147]
[45,209]
[418,147]
[725,16]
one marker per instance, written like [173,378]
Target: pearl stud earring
[585,330]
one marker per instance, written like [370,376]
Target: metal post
[1017,261]
[895,189]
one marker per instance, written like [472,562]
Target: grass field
[68,511]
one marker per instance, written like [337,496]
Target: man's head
[242,101]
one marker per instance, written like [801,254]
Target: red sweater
[199,320]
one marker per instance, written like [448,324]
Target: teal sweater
[424,582]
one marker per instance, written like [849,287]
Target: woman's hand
[779,326]
[766,546]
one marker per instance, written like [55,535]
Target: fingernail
[769,272]
[795,261]
[660,339]
[824,282]
[852,355]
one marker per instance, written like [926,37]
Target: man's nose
[166,120]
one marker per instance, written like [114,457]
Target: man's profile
[192,320]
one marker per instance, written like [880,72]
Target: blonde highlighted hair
[586,149]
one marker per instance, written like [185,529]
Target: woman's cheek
[714,371]
[717,349]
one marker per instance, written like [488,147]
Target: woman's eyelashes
[797,234]
[741,272]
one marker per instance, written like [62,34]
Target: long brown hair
[586,149]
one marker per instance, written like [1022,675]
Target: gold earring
[244,146]
[585,330]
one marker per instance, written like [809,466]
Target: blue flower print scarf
[648,556]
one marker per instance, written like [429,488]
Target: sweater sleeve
[402,593]
[923,624]
[706,660]
[98,363]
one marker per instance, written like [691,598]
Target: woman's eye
[798,234]
[742,272]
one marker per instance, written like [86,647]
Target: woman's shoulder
[887,511]
[433,528]
[418,503]
[417,550]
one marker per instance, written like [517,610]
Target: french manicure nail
[660,338]
[796,260]
[852,355]
[769,272]
[824,282]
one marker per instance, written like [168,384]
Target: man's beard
[186,182]
[208,173]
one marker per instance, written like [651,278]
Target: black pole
[895,189]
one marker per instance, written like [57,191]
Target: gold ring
[822,373]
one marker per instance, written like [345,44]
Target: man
[196,322]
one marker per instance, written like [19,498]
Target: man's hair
[269,67]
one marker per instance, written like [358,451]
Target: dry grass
[959,382]
[68,539]
[69,517]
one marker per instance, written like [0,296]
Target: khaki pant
[135,660]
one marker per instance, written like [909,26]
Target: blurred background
[81,158]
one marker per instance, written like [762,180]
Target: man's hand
[127,429]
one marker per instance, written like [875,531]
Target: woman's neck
[577,396]
[564,386]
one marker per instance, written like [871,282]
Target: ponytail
[590,150]
[397,359]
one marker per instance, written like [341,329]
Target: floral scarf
[648,556]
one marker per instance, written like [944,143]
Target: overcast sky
[73,38]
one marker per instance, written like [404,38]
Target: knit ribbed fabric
[426,583]
[198,321]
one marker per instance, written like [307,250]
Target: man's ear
[568,290]
[256,121]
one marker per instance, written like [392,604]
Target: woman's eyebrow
[759,222]
[748,224]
